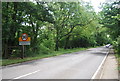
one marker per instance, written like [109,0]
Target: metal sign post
[23,51]
[24,40]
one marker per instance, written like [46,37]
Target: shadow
[76,53]
[99,53]
[31,63]
[88,50]
[103,49]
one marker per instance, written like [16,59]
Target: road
[78,65]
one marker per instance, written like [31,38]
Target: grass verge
[40,56]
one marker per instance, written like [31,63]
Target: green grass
[40,56]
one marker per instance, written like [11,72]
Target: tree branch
[73,26]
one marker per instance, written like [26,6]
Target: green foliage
[51,25]
[49,44]
[19,18]
[110,16]
[15,53]
[116,45]
[44,50]
[111,19]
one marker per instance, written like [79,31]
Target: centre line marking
[26,74]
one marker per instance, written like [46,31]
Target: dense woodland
[58,25]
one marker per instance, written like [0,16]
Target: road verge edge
[100,66]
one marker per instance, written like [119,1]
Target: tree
[67,16]
[109,14]
[21,18]
[51,25]
[111,20]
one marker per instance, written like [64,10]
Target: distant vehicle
[107,46]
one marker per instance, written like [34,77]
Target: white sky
[95,3]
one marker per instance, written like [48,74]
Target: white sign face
[24,37]
[24,42]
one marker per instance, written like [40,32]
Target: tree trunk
[12,40]
[67,42]
[57,39]
[5,42]
[57,44]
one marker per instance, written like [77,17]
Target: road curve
[78,65]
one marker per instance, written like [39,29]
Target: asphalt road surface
[78,65]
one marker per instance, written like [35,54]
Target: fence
[13,51]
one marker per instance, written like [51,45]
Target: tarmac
[109,69]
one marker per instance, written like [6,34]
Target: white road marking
[26,74]
[93,77]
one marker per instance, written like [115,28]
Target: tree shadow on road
[99,53]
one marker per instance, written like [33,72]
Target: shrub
[116,45]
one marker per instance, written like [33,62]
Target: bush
[116,45]
[15,53]
[43,49]
[49,44]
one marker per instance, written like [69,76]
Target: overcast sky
[96,3]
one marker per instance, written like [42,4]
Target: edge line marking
[93,77]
